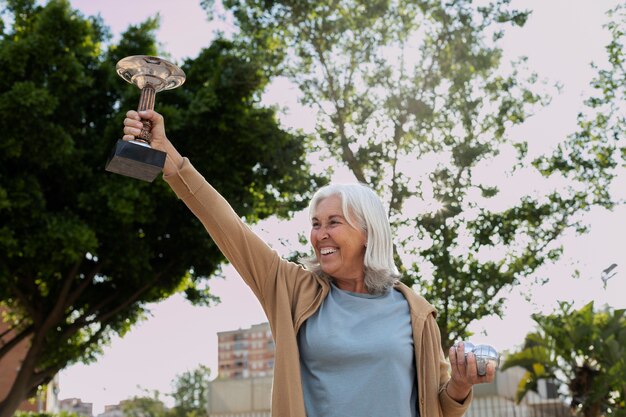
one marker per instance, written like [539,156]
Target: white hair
[362,209]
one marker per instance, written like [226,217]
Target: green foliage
[36,414]
[190,397]
[594,155]
[412,97]
[191,393]
[147,406]
[585,350]
[82,251]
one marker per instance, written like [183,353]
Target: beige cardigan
[290,294]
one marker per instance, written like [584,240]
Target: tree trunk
[21,385]
[593,410]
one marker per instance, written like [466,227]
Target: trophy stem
[146,102]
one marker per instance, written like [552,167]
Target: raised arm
[254,260]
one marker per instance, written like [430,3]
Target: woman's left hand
[465,373]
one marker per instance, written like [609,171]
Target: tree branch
[20,383]
[10,344]
[86,282]
[347,154]
[84,321]
[61,304]
[24,302]
[42,376]
[8,330]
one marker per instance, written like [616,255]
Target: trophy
[135,158]
[484,354]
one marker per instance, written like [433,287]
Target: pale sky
[560,39]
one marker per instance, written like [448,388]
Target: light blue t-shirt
[357,357]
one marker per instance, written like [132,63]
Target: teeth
[326,251]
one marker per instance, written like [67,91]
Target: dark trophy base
[135,161]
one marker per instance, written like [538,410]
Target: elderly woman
[351,340]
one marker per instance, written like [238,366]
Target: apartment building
[113,410]
[246,353]
[246,365]
[76,405]
[243,397]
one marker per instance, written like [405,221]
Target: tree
[83,251]
[146,406]
[595,155]
[584,350]
[191,393]
[414,99]
[190,397]
[35,414]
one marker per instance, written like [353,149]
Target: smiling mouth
[327,251]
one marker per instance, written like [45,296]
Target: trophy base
[135,161]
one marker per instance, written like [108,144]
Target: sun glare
[432,205]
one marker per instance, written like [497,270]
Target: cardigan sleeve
[449,406]
[254,260]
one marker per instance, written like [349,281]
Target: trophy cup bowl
[136,158]
[484,354]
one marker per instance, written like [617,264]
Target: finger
[491,371]
[471,370]
[151,115]
[132,114]
[460,358]
[132,123]
[452,358]
[134,131]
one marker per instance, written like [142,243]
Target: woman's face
[339,247]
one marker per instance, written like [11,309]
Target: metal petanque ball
[484,354]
